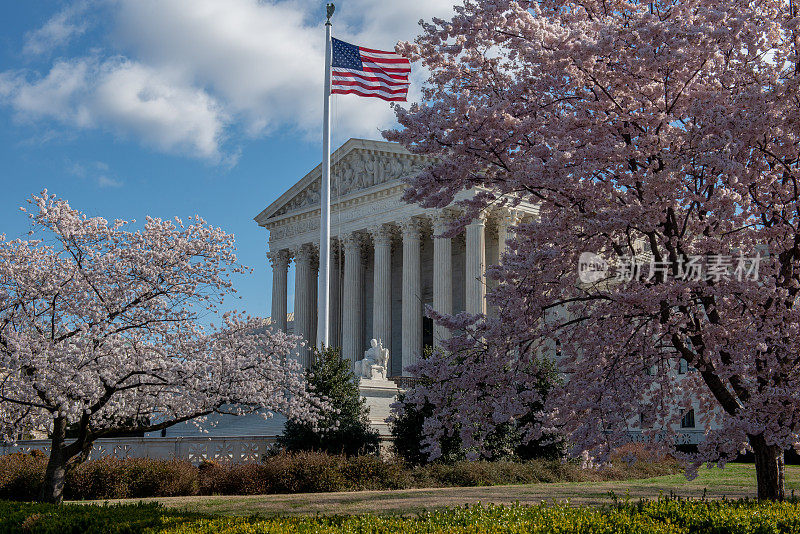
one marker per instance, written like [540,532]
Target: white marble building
[388,260]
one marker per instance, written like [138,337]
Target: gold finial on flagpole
[331,9]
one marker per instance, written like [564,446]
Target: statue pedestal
[380,394]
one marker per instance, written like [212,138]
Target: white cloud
[185,75]
[159,109]
[390,21]
[105,181]
[58,30]
[61,94]
[125,97]
[95,171]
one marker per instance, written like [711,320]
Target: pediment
[359,164]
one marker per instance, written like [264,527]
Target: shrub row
[21,475]
[657,517]
[301,472]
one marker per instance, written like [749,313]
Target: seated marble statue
[375,361]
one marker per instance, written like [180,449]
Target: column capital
[336,247]
[479,220]
[304,252]
[441,223]
[381,235]
[279,258]
[506,216]
[352,241]
[411,228]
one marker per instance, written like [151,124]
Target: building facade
[389,258]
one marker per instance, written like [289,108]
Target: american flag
[367,72]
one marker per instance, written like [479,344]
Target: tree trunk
[769,469]
[53,487]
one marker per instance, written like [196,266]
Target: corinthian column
[442,276]
[335,334]
[280,266]
[412,294]
[382,285]
[507,219]
[303,296]
[476,266]
[352,297]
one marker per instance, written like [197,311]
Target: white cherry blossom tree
[100,334]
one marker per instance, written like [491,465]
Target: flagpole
[323,310]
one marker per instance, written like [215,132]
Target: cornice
[395,188]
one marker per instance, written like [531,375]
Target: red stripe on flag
[385,60]
[386,69]
[371,73]
[364,49]
[381,87]
[374,77]
[360,93]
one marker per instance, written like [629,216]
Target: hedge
[21,476]
[656,517]
[109,478]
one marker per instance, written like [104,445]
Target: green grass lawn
[662,516]
[734,482]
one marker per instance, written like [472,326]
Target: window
[647,416]
[687,421]
[683,366]
[558,348]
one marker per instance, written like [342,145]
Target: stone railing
[404,382]
[192,449]
[684,436]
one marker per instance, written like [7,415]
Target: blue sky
[167,108]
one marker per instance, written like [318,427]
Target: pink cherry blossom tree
[99,334]
[665,132]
